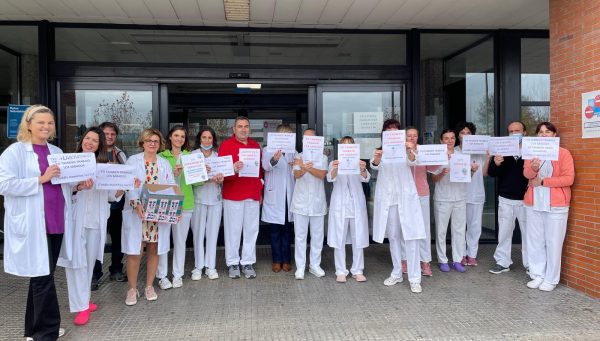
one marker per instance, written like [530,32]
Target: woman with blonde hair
[37,216]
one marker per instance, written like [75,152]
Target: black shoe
[95,284]
[118,277]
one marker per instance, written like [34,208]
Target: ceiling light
[120,43]
[237,10]
[254,86]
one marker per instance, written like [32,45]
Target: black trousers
[42,315]
[113,226]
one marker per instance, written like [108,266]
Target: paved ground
[471,306]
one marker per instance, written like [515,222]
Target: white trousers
[443,211]
[397,243]
[78,280]
[179,232]
[240,218]
[358,259]
[545,236]
[317,234]
[506,224]
[474,222]
[206,221]
[425,244]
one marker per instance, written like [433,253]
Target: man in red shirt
[241,203]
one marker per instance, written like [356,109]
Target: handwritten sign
[368,122]
[312,150]
[349,158]
[505,146]
[114,176]
[251,159]
[460,168]
[286,142]
[221,164]
[475,144]
[393,145]
[432,155]
[194,168]
[74,167]
[543,148]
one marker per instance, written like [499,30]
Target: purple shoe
[444,267]
[458,267]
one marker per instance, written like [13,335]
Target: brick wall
[575,69]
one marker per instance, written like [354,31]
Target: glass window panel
[532,116]
[535,70]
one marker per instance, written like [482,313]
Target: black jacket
[509,176]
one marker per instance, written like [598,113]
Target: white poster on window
[368,122]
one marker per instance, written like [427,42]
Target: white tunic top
[210,192]
[449,191]
[309,194]
[475,188]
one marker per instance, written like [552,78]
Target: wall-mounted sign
[15,113]
[368,122]
[590,114]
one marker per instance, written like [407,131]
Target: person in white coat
[37,216]
[309,207]
[475,196]
[449,200]
[348,221]
[279,186]
[208,209]
[397,212]
[137,232]
[91,208]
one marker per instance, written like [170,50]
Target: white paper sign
[221,164]
[114,176]
[286,142]
[544,148]
[74,167]
[590,114]
[251,159]
[430,123]
[349,158]
[505,146]
[312,150]
[393,145]
[475,144]
[368,122]
[194,168]
[432,155]
[460,168]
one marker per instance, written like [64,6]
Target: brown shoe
[276,267]
[287,267]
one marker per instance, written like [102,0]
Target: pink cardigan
[563,176]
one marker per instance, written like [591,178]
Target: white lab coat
[279,186]
[337,210]
[400,177]
[25,243]
[97,209]
[131,233]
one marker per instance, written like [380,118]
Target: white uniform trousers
[206,221]
[425,244]
[358,259]
[397,243]
[545,236]
[506,225]
[317,234]
[78,280]
[179,232]
[474,222]
[240,218]
[443,210]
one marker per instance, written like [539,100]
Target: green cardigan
[188,192]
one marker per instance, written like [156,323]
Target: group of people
[71,230]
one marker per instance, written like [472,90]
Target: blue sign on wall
[15,113]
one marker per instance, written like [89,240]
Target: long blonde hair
[24,134]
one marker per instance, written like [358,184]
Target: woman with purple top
[34,220]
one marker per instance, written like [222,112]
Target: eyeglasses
[152,141]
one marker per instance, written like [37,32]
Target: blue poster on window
[15,113]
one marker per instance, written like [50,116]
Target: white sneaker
[196,274]
[177,282]
[416,288]
[61,332]
[212,273]
[299,274]
[165,284]
[535,283]
[316,270]
[392,281]
[546,286]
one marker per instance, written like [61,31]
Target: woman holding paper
[279,186]
[136,231]
[208,208]
[91,208]
[177,145]
[348,220]
[547,203]
[397,211]
[37,215]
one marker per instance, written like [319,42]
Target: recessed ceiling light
[254,86]
[237,10]
[120,43]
